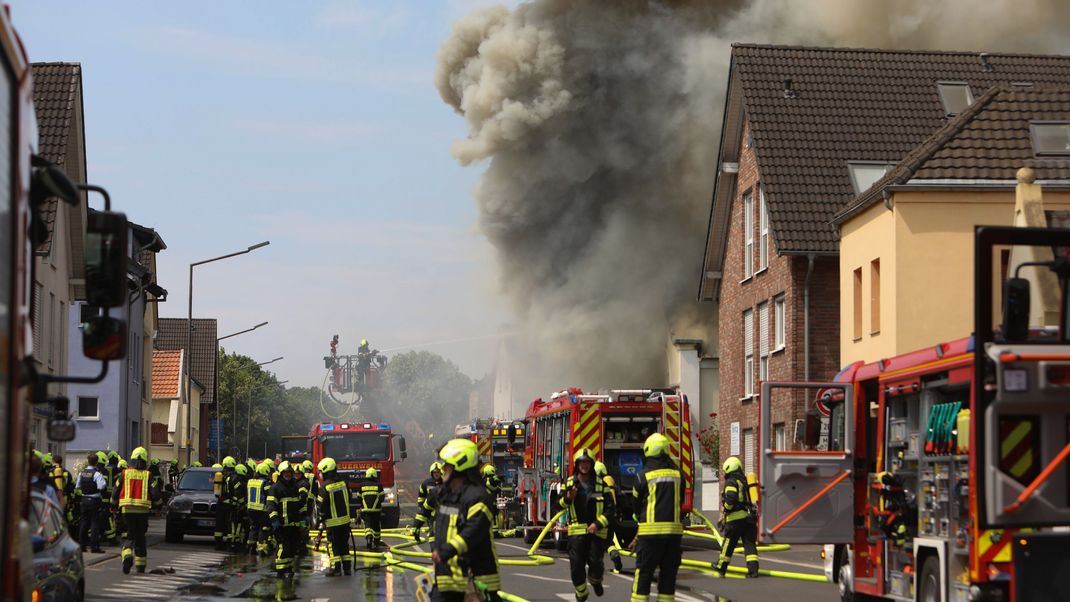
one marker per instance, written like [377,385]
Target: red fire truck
[929,473]
[356,447]
[501,443]
[614,427]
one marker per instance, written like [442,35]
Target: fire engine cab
[356,447]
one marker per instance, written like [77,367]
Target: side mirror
[106,258]
[1016,309]
[401,446]
[60,426]
[104,338]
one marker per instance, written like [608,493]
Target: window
[779,320]
[858,303]
[748,235]
[763,229]
[875,296]
[748,353]
[748,450]
[779,441]
[865,174]
[88,408]
[1051,138]
[763,341]
[955,96]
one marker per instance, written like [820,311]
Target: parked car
[191,510]
[58,570]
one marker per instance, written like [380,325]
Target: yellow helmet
[102,457]
[196,464]
[435,466]
[656,445]
[488,469]
[582,454]
[241,470]
[461,454]
[371,473]
[285,466]
[600,468]
[263,469]
[306,466]
[328,465]
[364,342]
[731,465]
[139,453]
[122,464]
[229,462]
[217,465]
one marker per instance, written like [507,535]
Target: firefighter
[493,484]
[371,502]
[71,499]
[111,473]
[425,500]
[286,511]
[134,495]
[156,482]
[91,485]
[740,518]
[62,479]
[224,508]
[333,505]
[602,473]
[586,500]
[462,544]
[657,543]
[255,503]
[307,482]
[120,518]
[237,491]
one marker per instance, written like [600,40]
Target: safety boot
[140,569]
[347,567]
[598,589]
[128,563]
[617,564]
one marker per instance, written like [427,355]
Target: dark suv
[191,510]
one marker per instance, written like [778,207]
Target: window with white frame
[763,341]
[748,353]
[748,235]
[88,408]
[779,321]
[748,450]
[763,229]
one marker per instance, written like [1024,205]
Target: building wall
[869,236]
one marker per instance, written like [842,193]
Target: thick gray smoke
[601,121]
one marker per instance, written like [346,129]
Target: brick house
[805,131]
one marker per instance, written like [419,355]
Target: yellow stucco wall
[925,245]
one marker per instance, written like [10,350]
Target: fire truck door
[807,495]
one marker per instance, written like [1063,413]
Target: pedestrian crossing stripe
[1018,438]
[587,429]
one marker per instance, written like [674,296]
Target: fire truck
[613,426]
[501,443]
[356,447]
[931,475]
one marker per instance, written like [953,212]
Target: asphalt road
[193,570]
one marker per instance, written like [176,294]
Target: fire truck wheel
[929,581]
[530,533]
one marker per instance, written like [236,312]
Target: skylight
[866,173]
[956,96]
[1051,137]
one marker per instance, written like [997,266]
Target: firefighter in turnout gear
[134,495]
[493,483]
[286,511]
[91,486]
[740,521]
[463,547]
[222,508]
[658,542]
[236,488]
[371,505]
[333,505]
[156,482]
[603,475]
[425,500]
[111,474]
[256,489]
[306,482]
[588,507]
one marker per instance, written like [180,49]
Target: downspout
[806,316]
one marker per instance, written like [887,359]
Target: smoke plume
[601,121]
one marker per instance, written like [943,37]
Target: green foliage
[710,443]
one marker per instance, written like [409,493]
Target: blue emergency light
[384,426]
[326,426]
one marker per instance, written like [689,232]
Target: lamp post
[189,342]
[249,414]
[219,434]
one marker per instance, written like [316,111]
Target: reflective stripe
[491,582]
[660,529]
[480,507]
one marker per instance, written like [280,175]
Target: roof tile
[56,90]
[172,335]
[166,373]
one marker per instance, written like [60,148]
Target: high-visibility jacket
[735,498]
[286,503]
[333,498]
[134,490]
[587,507]
[255,494]
[425,498]
[371,497]
[658,496]
[463,522]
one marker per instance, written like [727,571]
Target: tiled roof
[55,98]
[851,105]
[166,373]
[172,335]
[990,140]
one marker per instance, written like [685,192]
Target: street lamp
[270,361]
[234,334]
[219,433]
[249,414]
[189,343]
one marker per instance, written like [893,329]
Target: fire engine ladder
[676,420]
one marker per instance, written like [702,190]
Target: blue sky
[314,125]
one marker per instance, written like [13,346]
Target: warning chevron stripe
[586,432]
[1018,439]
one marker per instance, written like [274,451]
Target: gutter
[806,316]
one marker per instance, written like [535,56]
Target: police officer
[426,500]
[333,505]
[221,488]
[587,503]
[256,503]
[92,485]
[740,520]
[236,487]
[371,502]
[463,545]
[657,543]
[134,495]
[286,511]
[603,475]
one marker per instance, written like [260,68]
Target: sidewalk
[153,537]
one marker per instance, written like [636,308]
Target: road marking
[541,578]
[807,565]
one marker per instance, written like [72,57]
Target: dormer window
[1051,137]
[956,96]
[866,173]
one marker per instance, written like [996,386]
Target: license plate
[206,522]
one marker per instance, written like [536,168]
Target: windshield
[199,480]
[357,446]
